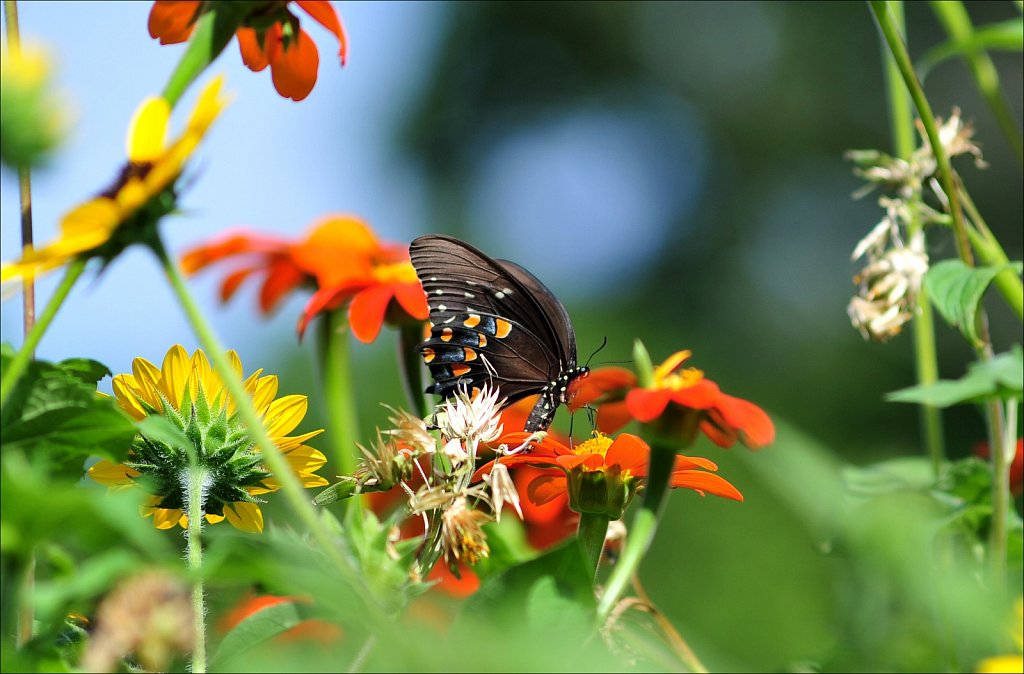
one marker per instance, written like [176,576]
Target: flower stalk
[196,494]
[214,29]
[925,356]
[643,527]
[336,365]
[591,536]
[21,359]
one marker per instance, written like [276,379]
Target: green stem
[898,49]
[198,483]
[409,338]
[21,359]
[992,254]
[590,535]
[643,528]
[336,369]
[286,478]
[213,30]
[1001,455]
[925,355]
[957,22]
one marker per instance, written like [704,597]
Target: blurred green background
[674,173]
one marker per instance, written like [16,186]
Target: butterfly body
[493,322]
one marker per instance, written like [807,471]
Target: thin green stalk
[198,483]
[336,370]
[957,22]
[1001,455]
[925,354]
[987,247]
[213,30]
[679,645]
[409,338]
[21,359]
[898,49]
[643,527]
[591,534]
[290,485]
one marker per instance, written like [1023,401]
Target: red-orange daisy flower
[311,630]
[601,475]
[674,393]
[268,35]
[341,258]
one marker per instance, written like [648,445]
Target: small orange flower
[341,258]
[269,35]
[601,475]
[674,393]
[312,630]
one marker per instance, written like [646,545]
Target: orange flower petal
[172,20]
[756,426]
[630,453]
[585,390]
[647,404]
[324,14]
[253,56]
[366,313]
[324,300]
[722,436]
[282,277]
[233,281]
[294,69]
[412,299]
[546,488]
[232,244]
[338,250]
[702,395]
[702,482]
[612,417]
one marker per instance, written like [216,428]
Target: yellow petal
[147,378]
[284,414]
[88,225]
[289,443]
[263,393]
[208,107]
[245,516]
[305,459]
[147,133]
[174,374]
[162,517]
[132,195]
[214,519]
[128,395]
[670,364]
[200,377]
[112,474]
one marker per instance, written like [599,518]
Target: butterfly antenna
[604,343]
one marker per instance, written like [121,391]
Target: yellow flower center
[396,272]
[598,444]
[665,376]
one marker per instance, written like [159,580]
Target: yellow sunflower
[188,393]
[128,210]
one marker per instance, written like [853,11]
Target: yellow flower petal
[1000,664]
[245,516]
[290,443]
[264,391]
[132,196]
[128,395]
[88,225]
[112,474]
[147,133]
[174,374]
[147,378]
[284,414]
[201,378]
[208,107]
[305,459]
[162,517]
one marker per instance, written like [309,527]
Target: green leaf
[55,414]
[530,594]
[1000,378]
[956,291]
[260,626]
[1005,36]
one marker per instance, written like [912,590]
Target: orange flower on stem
[341,258]
[269,34]
[675,398]
[601,475]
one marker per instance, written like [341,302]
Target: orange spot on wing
[459,370]
[446,335]
[502,328]
[482,341]
[470,354]
[428,355]
[472,321]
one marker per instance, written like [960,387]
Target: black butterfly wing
[491,321]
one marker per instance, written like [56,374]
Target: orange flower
[306,631]
[601,475]
[341,257]
[673,395]
[268,34]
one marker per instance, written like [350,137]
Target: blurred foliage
[33,121]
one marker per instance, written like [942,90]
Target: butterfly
[491,321]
